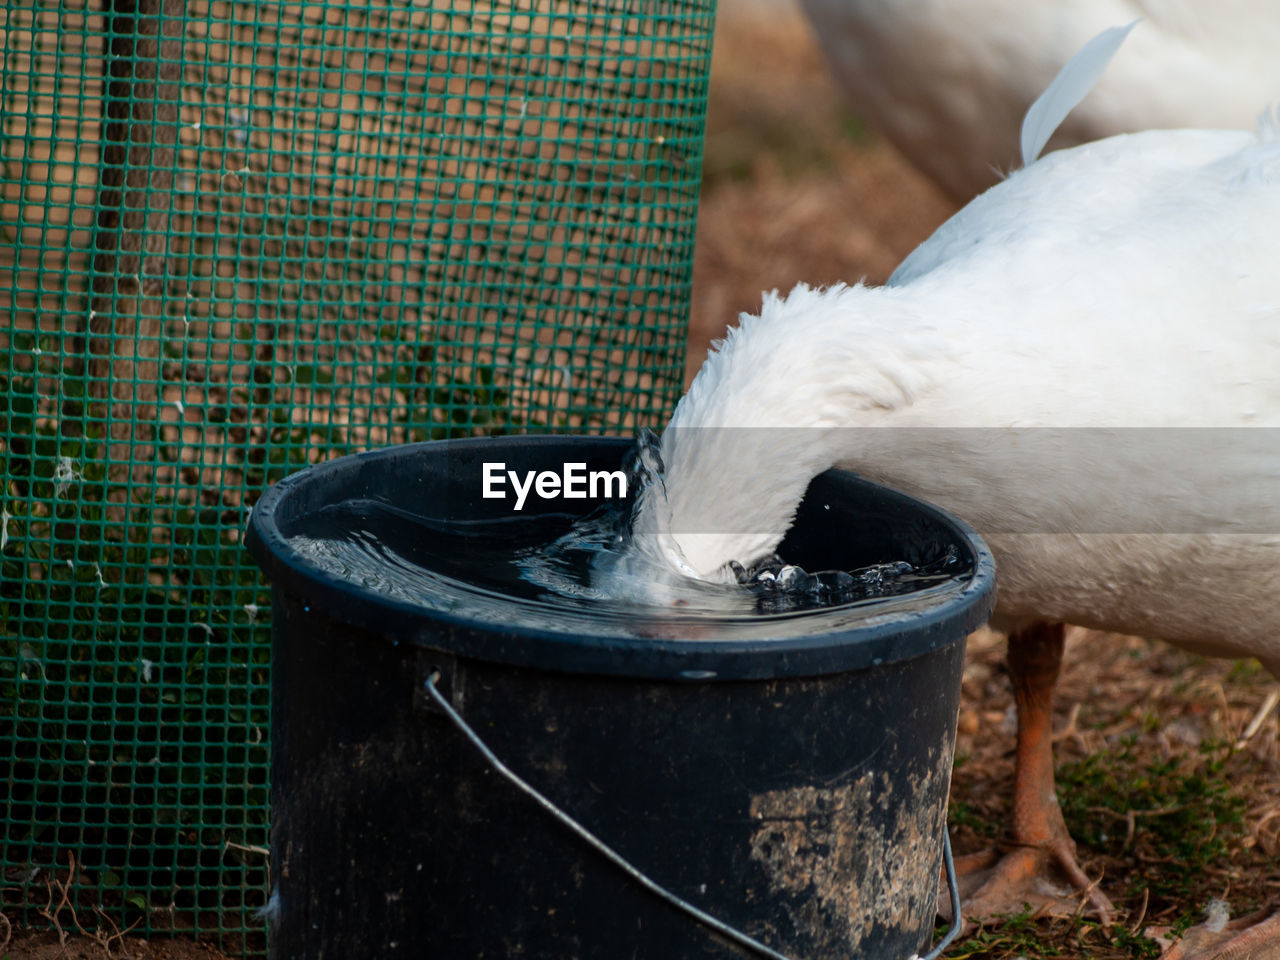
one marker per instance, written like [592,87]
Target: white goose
[948,82]
[1128,283]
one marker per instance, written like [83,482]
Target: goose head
[767,413]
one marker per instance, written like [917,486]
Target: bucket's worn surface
[796,791]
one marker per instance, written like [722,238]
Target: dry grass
[1167,775]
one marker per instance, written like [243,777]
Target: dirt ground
[46,945]
[1167,774]
[1169,765]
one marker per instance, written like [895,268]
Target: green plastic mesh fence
[239,238]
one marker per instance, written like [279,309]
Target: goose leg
[1040,869]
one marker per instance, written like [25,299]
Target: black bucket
[787,775]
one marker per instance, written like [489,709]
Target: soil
[1167,773]
[1167,763]
[46,945]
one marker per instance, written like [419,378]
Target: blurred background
[795,187]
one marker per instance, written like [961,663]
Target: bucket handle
[719,926]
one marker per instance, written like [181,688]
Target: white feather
[1069,87]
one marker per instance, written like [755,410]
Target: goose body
[1124,284]
[1084,363]
[948,82]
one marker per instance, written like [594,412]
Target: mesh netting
[239,238]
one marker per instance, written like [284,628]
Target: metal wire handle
[719,926]
[953,887]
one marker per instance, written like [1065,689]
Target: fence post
[131,270]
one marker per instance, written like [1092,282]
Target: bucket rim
[842,638]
